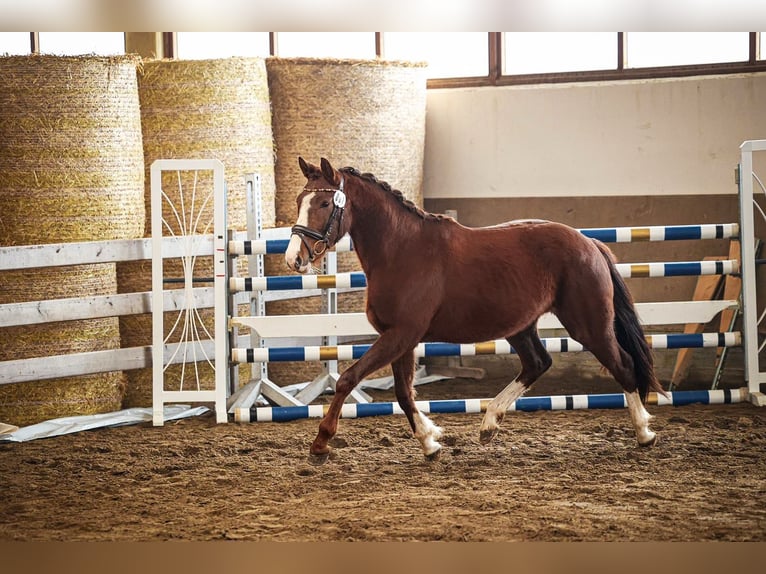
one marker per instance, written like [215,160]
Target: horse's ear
[329,173]
[305,167]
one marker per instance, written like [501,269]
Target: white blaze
[294,247]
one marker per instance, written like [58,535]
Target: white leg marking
[640,418]
[294,246]
[427,433]
[497,408]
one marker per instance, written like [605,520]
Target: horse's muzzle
[297,265]
[293,258]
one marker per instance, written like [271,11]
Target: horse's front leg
[422,427]
[389,346]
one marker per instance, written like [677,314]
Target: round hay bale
[71,149]
[198,109]
[211,109]
[71,169]
[368,114]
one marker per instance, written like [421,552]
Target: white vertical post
[158,335]
[255,265]
[221,296]
[753,372]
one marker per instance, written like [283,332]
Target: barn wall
[633,138]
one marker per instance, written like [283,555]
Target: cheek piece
[322,240]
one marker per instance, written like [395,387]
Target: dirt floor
[548,476]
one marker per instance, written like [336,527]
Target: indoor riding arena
[262,286]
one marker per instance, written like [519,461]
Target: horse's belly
[478,325]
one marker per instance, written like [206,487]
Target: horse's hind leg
[535,360]
[424,429]
[620,365]
[593,326]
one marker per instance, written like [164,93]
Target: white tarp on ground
[381,384]
[68,425]
[132,416]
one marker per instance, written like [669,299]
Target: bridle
[322,240]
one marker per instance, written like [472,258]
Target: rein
[322,240]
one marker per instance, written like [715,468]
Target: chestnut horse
[430,278]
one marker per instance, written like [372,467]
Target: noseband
[322,240]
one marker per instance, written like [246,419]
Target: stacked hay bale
[198,109]
[71,169]
[368,114]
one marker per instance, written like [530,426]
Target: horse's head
[322,219]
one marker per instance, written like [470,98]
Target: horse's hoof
[435,455]
[319,459]
[650,443]
[486,435]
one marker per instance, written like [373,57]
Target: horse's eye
[325,204]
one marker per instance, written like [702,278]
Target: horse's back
[552,252]
[531,242]
[517,223]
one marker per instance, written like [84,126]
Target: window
[15,43]
[353,45]
[762,46]
[206,45]
[546,52]
[458,58]
[650,49]
[78,43]
[449,54]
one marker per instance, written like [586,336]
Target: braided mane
[406,203]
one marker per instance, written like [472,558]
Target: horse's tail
[630,334]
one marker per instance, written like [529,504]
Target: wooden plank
[41,368]
[53,255]
[36,312]
[705,290]
[677,312]
[7,429]
[74,364]
[245,396]
[457,371]
[71,365]
[88,252]
[308,325]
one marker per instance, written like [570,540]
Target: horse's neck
[380,227]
